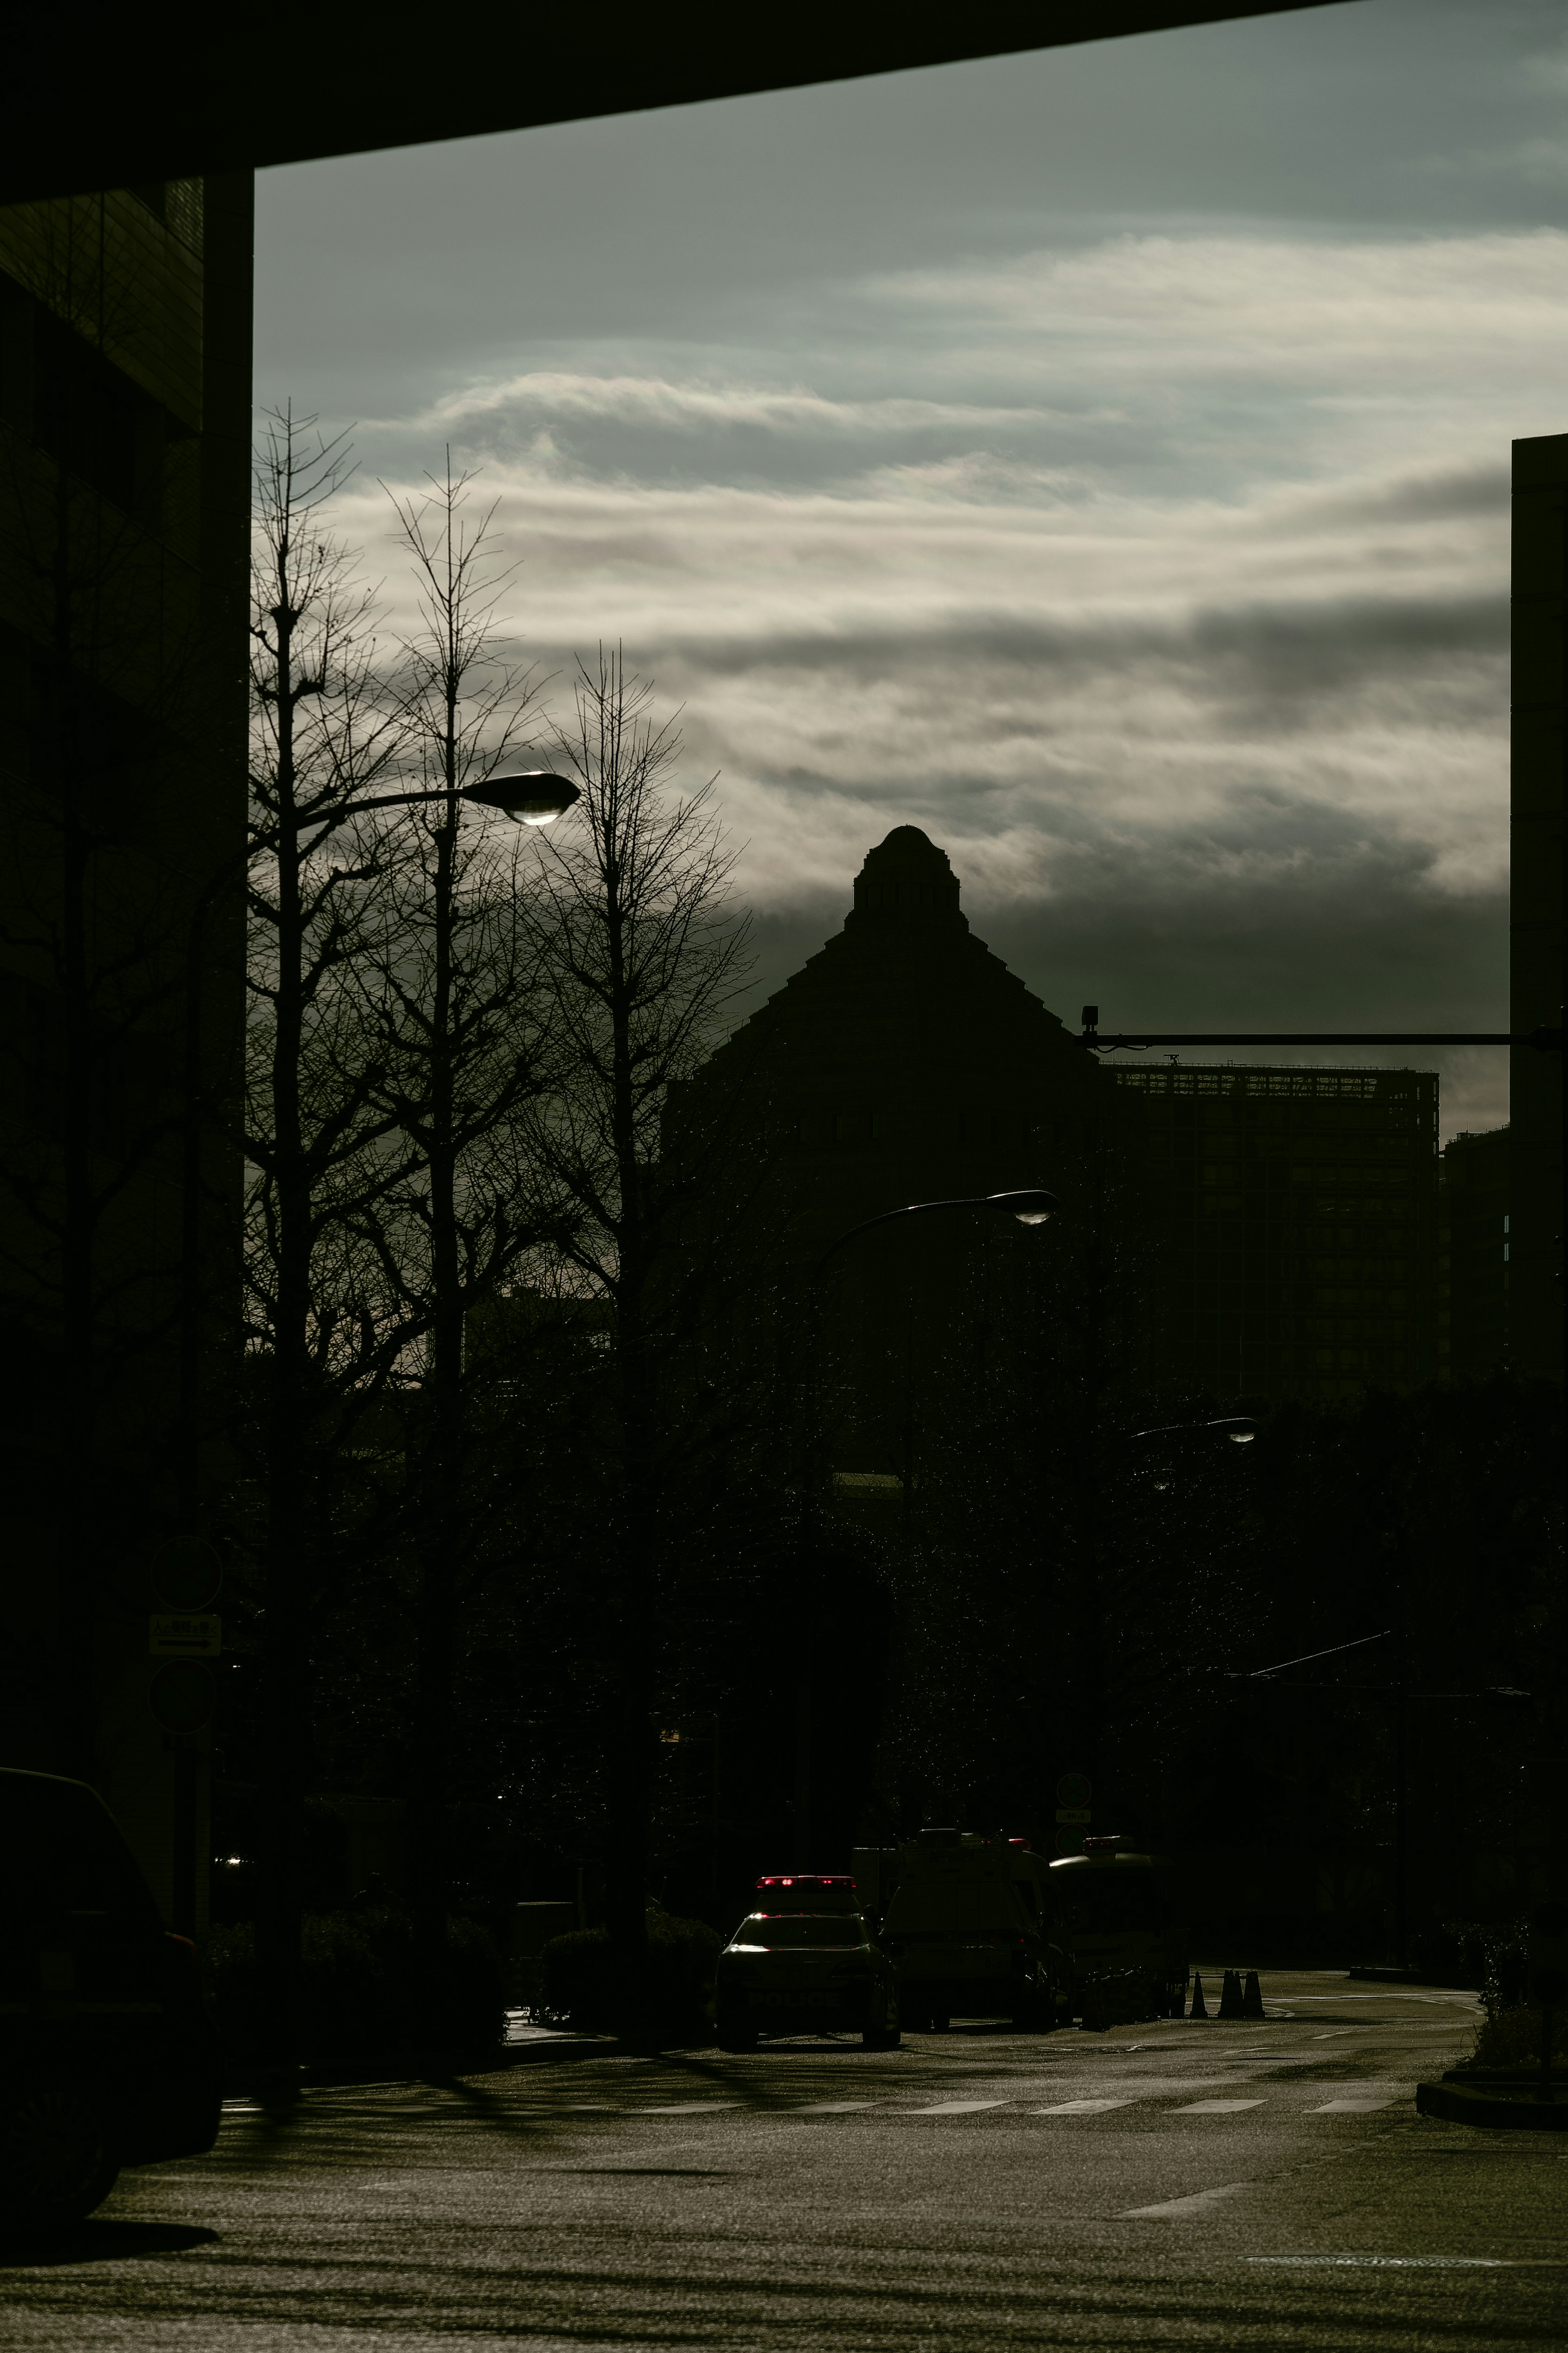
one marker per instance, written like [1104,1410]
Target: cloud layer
[1160,572]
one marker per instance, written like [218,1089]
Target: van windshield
[922,1905]
[790,1931]
[1104,1904]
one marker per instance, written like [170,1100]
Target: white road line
[830,2107]
[1216,2107]
[1081,2107]
[1175,2209]
[1351,2107]
[1399,2263]
[956,2107]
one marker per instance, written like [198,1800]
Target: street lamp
[1239,1428]
[533,798]
[1032,1208]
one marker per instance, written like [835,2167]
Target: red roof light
[807,1879]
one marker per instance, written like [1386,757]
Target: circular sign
[187,1573]
[1074,1790]
[182,1696]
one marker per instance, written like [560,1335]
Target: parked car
[1121,1918]
[108,2049]
[805,1962]
[969,1924]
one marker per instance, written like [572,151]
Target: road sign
[182,1695]
[186,1573]
[1074,1790]
[1073,1813]
[177,1635]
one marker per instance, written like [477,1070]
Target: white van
[1120,1917]
[969,1924]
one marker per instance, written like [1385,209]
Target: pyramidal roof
[906,981]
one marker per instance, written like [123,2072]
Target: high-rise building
[1302,1222]
[124,494]
[1476,1216]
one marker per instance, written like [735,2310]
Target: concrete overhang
[102,102]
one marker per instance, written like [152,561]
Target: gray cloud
[1100,459]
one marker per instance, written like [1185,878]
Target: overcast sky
[1099,458]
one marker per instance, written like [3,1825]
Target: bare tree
[450,971]
[319,1137]
[642,952]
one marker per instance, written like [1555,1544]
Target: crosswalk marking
[1081,2107]
[1216,2107]
[958,2107]
[1353,2107]
[1175,2209]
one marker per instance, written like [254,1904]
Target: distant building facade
[1302,1212]
[1476,1216]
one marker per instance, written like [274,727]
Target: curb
[1455,2104]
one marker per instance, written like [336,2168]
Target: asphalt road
[1238,2185]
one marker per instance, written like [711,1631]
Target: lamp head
[1030,1208]
[535,797]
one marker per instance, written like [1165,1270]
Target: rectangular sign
[1073,1814]
[177,1635]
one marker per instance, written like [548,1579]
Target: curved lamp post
[534,797]
[1029,1208]
[1239,1428]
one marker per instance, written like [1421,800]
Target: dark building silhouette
[124,481]
[903,1062]
[1538,766]
[1292,1216]
[1476,1216]
[1301,1216]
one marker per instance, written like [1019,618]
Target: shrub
[580,1985]
[358,1996]
[1511,2038]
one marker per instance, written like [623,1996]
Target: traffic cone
[1200,2007]
[1252,1997]
[1230,2002]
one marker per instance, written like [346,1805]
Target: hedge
[358,1995]
[580,1987]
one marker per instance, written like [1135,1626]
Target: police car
[804,1962]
